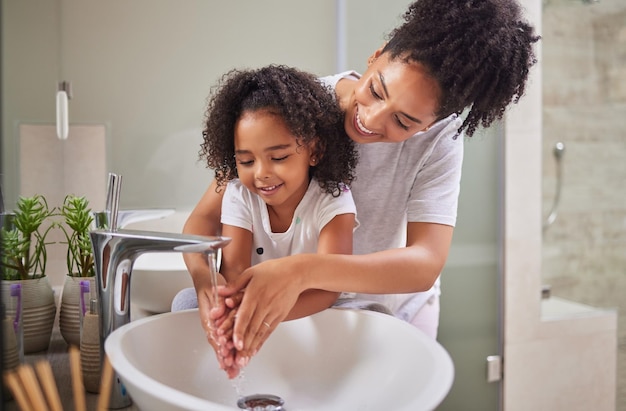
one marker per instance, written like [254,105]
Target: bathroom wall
[30,71]
[471,299]
[144,69]
[584,97]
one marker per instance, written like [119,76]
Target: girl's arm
[403,270]
[203,220]
[236,256]
[335,238]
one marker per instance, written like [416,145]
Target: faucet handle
[114,189]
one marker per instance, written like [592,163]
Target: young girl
[451,67]
[275,139]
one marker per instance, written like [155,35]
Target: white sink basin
[339,359]
[156,279]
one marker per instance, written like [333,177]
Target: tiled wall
[584,98]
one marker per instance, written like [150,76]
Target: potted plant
[77,220]
[24,257]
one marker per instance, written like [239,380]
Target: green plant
[23,241]
[78,220]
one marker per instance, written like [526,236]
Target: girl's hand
[215,317]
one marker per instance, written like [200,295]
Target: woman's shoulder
[444,134]
[332,80]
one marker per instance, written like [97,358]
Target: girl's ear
[317,152]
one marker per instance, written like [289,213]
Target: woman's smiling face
[391,102]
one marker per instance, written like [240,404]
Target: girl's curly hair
[308,109]
[479,52]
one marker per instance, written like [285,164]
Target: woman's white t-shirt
[417,180]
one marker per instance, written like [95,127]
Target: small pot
[73,307]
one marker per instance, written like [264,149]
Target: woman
[405,113]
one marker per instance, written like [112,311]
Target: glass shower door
[584,121]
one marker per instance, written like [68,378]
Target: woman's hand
[271,291]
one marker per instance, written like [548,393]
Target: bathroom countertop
[58,357]
[555,308]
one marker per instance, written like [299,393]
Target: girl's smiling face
[391,102]
[270,161]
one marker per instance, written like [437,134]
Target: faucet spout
[115,253]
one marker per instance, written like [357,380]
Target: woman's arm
[413,268]
[404,270]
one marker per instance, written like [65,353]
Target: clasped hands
[233,349]
[246,312]
[231,355]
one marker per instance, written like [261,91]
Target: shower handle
[558,152]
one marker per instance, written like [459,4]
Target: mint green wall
[144,68]
[30,68]
[367,27]
[470,301]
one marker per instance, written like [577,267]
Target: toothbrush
[16,291]
[84,288]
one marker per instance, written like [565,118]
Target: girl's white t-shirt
[244,209]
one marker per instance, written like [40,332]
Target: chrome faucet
[126,217]
[115,253]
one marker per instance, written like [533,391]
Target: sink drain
[261,402]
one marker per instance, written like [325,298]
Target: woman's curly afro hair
[479,52]
[308,109]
